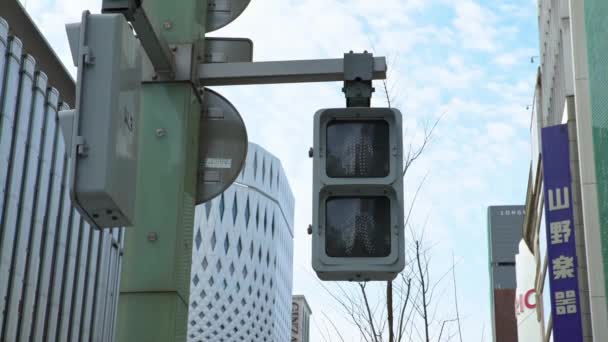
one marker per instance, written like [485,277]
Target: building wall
[552,58]
[528,327]
[595,14]
[58,277]
[505,323]
[300,320]
[581,12]
[243,256]
[551,89]
[563,87]
[504,233]
[537,226]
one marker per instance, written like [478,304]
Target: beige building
[568,92]
[300,319]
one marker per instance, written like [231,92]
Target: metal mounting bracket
[184,66]
[358,76]
[154,45]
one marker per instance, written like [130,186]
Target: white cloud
[454,74]
[476,25]
[512,9]
[511,58]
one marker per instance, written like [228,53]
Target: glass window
[358,227]
[358,149]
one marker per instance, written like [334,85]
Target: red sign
[525,301]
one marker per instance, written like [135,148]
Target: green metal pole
[155,283]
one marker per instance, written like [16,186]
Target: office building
[242,258]
[504,233]
[566,222]
[59,278]
[300,319]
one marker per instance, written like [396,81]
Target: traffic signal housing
[358,194]
[101,132]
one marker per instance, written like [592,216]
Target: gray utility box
[358,228]
[101,133]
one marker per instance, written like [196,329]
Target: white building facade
[300,319]
[243,257]
[528,327]
[59,277]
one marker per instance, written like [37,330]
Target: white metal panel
[90,286]
[7,114]
[4,135]
[50,230]
[3,47]
[111,293]
[78,293]
[69,275]
[58,267]
[42,197]
[50,289]
[34,108]
[15,193]
[7,117]
[101,288]
[21,121]
[117,283]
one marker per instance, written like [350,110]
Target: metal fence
[58,277]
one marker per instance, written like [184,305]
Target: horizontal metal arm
[303,71]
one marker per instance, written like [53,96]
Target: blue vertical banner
[561,243]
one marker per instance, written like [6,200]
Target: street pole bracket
[358,76]
[156,48]
[183,56]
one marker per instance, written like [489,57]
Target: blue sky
[469,59]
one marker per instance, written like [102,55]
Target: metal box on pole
[101,131]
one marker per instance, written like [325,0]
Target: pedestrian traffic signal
[358,194]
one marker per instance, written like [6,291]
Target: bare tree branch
[403,307]
[333,325]
[437,305]
[456,296]
[319,329]
[443,325]
[352,310]
[371,319]
[411,209]
[414,153]
[423,285]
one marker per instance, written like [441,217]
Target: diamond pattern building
[242,258]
